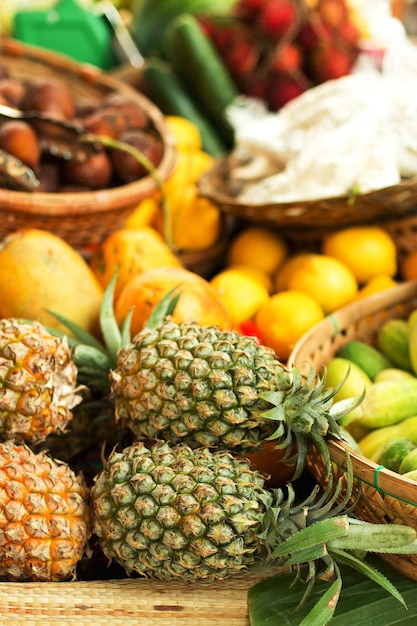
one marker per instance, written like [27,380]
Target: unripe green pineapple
[38,381]
[173,512]
[217,388]
[45,518]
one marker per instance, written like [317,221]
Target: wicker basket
[311,218]
[81,218]
[129,602]
[386,496]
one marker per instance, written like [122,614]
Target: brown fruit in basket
[95,173]
[13,90]
[127,166]
[106,123]
[50,96]
[41,272]
[135,116]
[49,178]
[19,139]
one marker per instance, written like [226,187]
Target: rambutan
[330,62]
[283,89]
[277,17]
[334,13]
[287,58]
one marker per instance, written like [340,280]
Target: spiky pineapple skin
[38,381]
[197,384]
[171,511]
[45,516]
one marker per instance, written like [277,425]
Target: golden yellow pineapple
[38,381]
[44,516]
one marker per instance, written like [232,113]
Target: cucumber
[369,359]
[412,339]
[198,64]
[409,462]
[389,402]
[393,341]
[393,453]
[392,373]
[163,87]
[372,442]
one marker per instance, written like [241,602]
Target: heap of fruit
[162,425]
[115,120]
[276,49]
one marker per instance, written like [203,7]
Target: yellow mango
[40,271]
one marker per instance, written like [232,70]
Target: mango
[40,271]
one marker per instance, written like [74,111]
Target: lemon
[377,284]
[256,273]
[258,247]
[241,294]
[287,268]
[326,279]
[284,318]
[367,250]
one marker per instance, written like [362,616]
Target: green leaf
[367,570]
[164,307]
[320,532]
[362,601]
[109,326]
[376,538]
[81,335]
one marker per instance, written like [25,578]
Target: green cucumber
[369,359]
[412,335]
[162,86]
[198,64]
[393,453]
[389,402]
[393,341]
[409,462]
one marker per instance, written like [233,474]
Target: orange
[259,247]
[367,250]
[377,284]
[285,317]
[408,266]
[241,294]
[131,251]
[268,460]
[198,301]
[326,279]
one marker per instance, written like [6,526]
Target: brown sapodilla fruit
[19,139]
[127,166]
[51,96]
[94,173]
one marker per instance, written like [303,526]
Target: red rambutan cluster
[276,49]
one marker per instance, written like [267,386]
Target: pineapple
[216,388]
[169,511]
[38,381]
[204,386]
[45,518]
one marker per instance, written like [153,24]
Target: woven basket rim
[378,477]
[385,203]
